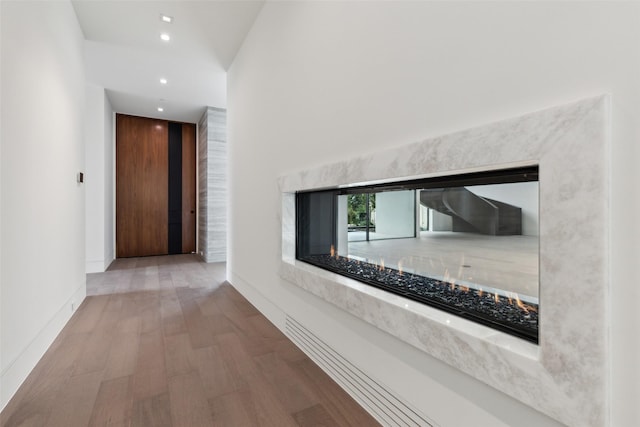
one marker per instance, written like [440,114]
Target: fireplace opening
[466,244]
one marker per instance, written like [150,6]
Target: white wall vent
[381,403]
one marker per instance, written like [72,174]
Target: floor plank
[177,352]
[315,416]
[269,409]
[197,324]
[217,378]
[113,404]
[150,377]
[122,356]
[234,409]
[189,406]
[344,410]
[74,404]
[152,411]
[293,393]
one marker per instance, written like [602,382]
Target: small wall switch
[80,177]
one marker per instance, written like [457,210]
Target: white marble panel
[565,376]
[203,205]
[212,230]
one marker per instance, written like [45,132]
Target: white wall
[318,82]
[43,207]
[98,135]
[395,214]
[439,221]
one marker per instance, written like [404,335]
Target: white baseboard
[94,266]
[98,266]
[270,310]
[12,377]
[108,261]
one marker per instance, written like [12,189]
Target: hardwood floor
[164,341]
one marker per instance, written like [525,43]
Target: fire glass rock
[498,311]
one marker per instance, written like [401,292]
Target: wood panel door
[155,187]
[141,186]
[188,188]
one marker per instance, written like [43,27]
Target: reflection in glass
[466,244]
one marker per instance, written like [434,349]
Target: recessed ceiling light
[163,81]
[160,109]
[166,18]
[165,37]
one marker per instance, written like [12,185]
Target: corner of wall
[107,262]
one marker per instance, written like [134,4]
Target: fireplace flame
[400,267]
[332,251]
[521,304]
[480,292]
[526,307]
[497,298]
[381,264]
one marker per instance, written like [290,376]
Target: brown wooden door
[188,188]
[143,190]
[141,186]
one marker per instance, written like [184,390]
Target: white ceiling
[124,53]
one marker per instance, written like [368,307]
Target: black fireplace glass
[466,244]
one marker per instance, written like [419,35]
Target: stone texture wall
[212,184]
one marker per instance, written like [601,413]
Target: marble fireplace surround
[565,375]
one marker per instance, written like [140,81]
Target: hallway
[165,341]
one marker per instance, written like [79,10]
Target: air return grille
[382,404]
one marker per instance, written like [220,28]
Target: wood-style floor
[164,341]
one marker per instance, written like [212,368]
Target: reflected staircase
[473,213]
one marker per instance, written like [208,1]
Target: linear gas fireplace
[466,244]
